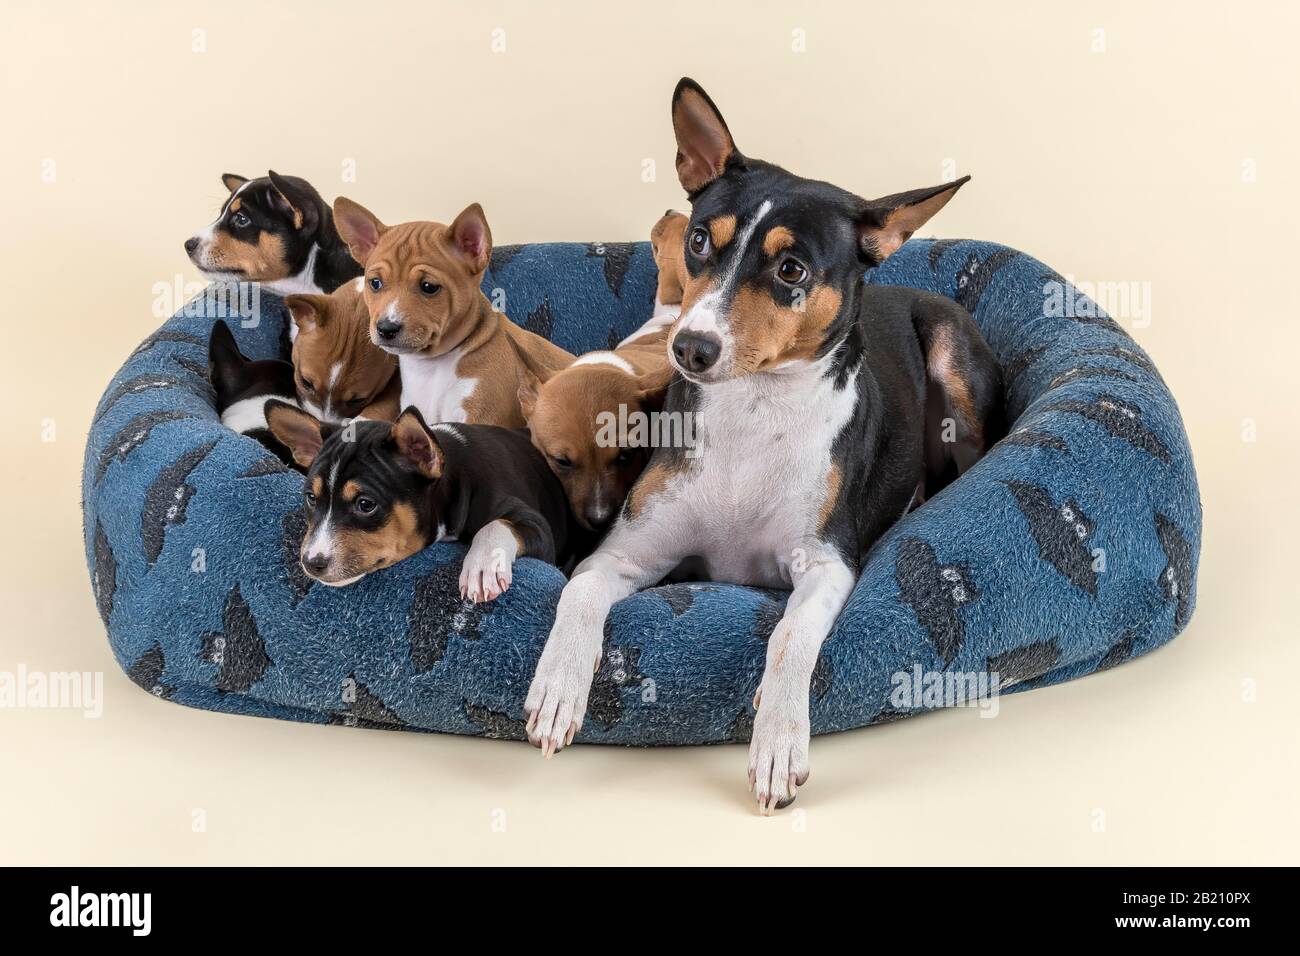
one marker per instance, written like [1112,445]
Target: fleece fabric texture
[1070,548]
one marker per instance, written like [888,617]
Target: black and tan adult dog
[813,396]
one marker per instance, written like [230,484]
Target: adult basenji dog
[339,373]
[244,386]
[275,230]
[810,391]
[458,356]
[378,492]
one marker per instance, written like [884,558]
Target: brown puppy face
[667,243]
[338,371]
[421,282]
[564,417]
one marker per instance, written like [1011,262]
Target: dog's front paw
[557,697]
[778,753]
[487,570]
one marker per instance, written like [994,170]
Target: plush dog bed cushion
[1070,548]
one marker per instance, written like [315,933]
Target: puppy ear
[472,238]
[885,224]
[532,376]
[233,181]
[358,227]
[224,357]
[295,429]
[309,311]
[652,385]
[296,202]
[704,144]
[416,443]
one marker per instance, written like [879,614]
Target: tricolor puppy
[458,356]
[275,230]
[569,415]
[810,392]
[244,386]
[378,492]
[339,373]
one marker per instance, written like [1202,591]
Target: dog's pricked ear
[416,444]
[298,431]
[292,200]
[532,376]
[472,238]
[233,181]
[704,144]
[652,384]
[358,226]
[885,224]
[223,351]
[308,311]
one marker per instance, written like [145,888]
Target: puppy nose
[191,244]
[387,328]
[315,563]
[598,516]
[696,352]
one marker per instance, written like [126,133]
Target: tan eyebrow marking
[777,238]
[235,204]
[722,230]
[350,490]
[317,484]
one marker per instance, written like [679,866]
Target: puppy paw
[487,570]
[778,755]
[557,697]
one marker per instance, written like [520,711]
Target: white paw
[778,754]
[557,697]
[486,572]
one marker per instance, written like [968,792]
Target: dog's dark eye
[311,499]
[240,220]
[792,271]
[623,457]
[366,505]
[700,242]
[376,283]
[561,461]
[309,385]
[429,288]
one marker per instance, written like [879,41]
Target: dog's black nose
[387,328]
[191,244]
[696,352]
[315,563]
[598,516]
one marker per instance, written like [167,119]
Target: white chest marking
[249,414]
[751,502]
[606,358]
[432,386]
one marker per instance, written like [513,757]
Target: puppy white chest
[432,386]
[755,493]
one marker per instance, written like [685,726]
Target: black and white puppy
[277,231]
[378,492]
[244,386]
[810,393]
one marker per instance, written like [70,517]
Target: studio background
[1118,142]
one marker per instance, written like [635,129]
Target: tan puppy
[338,371]
[668,245]
[568,411]
[459,358]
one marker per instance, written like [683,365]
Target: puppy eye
[376,283]
[561,461]
[309,385]
[366,505]
[792,271]
[429,288]
[311,499]
[700,242]
[623,457]
[240,220]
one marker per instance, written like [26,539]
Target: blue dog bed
[1072,547]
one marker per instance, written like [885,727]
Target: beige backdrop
[1156,146]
